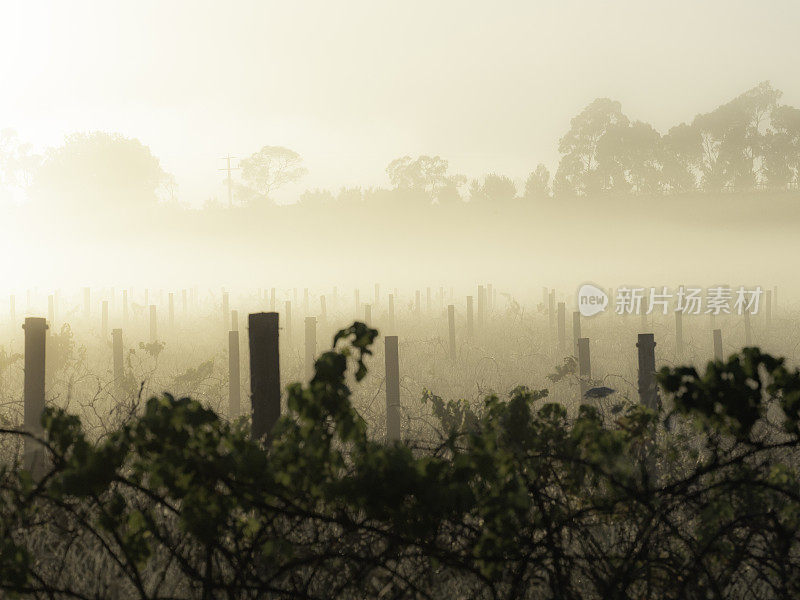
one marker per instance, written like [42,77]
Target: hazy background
[350,85]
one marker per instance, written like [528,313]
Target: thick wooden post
[171,309]
[648,393]
[562,327]
[116,349]
[451,326]
[265,382]
[35,340]
[748,330]
[153,324]
[234,376]
[470,318]
[718,344]
[104,320]
[584,366]
[392,388]
[311,345]
[679,333]
[576,330]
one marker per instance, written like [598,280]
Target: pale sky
[350,85]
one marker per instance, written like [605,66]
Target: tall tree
[578,172]
[267,170]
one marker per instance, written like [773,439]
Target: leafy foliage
[517,501]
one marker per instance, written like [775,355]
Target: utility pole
[228,168]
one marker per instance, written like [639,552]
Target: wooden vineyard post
[124,308]
[265,382]
[35,336]
[288,318]
[470,318]
[392,388]
[562,327]
[748,330]
[451,326]
[576,330]
[768,310]
[679,333]
[368,315]
[648,393]
[311,345]
[116,349]
[171,309]
[234,376]
[104,320]
[481,308]
[87,306]
[718,344]
[153,324]
[584,366]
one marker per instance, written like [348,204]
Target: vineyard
[476,445]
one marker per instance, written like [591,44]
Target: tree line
[750,143]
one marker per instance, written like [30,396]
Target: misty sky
[350,85]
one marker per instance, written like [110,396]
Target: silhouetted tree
[424,176]
[782,149]
[682,155]
[268,169]
[316,197]
[537,186]
[578,172]
[100,170]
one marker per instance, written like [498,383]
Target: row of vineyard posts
[263,333]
